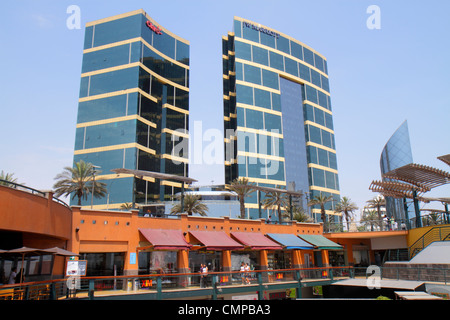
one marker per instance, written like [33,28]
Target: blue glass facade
[277,114]
[396,153]
[133,106]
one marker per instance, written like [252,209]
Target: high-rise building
[133,106]
[278,119]
[396,153]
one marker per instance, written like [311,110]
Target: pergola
[140,174]
[412,181]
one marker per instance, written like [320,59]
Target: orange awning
[165,239]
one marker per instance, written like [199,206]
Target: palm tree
[126,206]
[346,207]
[321,200]
[78,181]
[276,199]
[377,202]
[370,218]
[192,204]
[243,188]
[7,177]
[299,214]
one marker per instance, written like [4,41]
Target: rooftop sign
[155,29]
[261,29]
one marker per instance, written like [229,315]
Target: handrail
[427,238]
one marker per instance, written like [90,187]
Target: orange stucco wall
[115,231]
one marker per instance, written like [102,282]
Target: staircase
[438,233]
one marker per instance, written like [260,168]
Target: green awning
[320,242]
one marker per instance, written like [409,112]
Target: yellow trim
[116,147]
[315,105]
[169,106]
[318,166]
[118,93]
[175,133]
[132,65]
[226,118]
[261,109]
[324,189]
[258,86]
[258,131]
[269,181]
[118,119]
[175,158]
[120,176]
[313,144]
[319,126]
[173,184]
[260,156]
[133,13]
[329,212]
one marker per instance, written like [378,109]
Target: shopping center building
[133,105]
[278,120]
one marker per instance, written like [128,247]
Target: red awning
[256,241]
[165,239]
[216,240]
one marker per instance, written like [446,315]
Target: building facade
[278,121]
[397,153]
[133,106]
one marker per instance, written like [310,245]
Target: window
[283,44]
[276,61]
[262,98]
[291,66]
[296,50]
[270,79]
[304,72]
[272,122]
[252,74]
[308,56]
[318,62]
[244,94]
[254,119]
[243,50]
[260,55]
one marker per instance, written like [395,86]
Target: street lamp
[93,183]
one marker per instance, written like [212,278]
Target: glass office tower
[278,121]
[396,153]
[133,106]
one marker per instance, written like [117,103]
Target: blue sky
[378,78]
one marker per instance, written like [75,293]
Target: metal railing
[440,233]
[179,285]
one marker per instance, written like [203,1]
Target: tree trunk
[242,206]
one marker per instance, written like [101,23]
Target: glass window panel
[182,52]
[239,72]
[314,134]
[237,28]
[262,98]
[270,79]
[318,177]
[328,120]
[243,50]
[333,160]
[242,166]
[304,72]
[315,77]
[164,43]
[291,66]
[308,56]
[240,116]
[296,50]
[319,116]
[312,154]
[330,180]
[260,55]
[309,112]
[276,101]
[274,169]
[105,108]
[326,139]
[311,94]
[283,44]
[254,168]
[325,83]
[267,40]
[249,33]
[252,74]
[88,33]
[84,87]
[105,58]
[276,61]
[272,122]
[246,141]
[323,157]
[79,138]
[118,30]
[318,62]
[114,81]
[110,134]
[244,94]
[323,100]
[254,119]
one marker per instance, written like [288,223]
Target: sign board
[76,268]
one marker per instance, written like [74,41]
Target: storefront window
[250,257]
[157,262]
[279,259]
[212,259]
[104,264]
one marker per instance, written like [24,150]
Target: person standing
[12,276]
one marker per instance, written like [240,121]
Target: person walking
[242,271]
[247,273]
